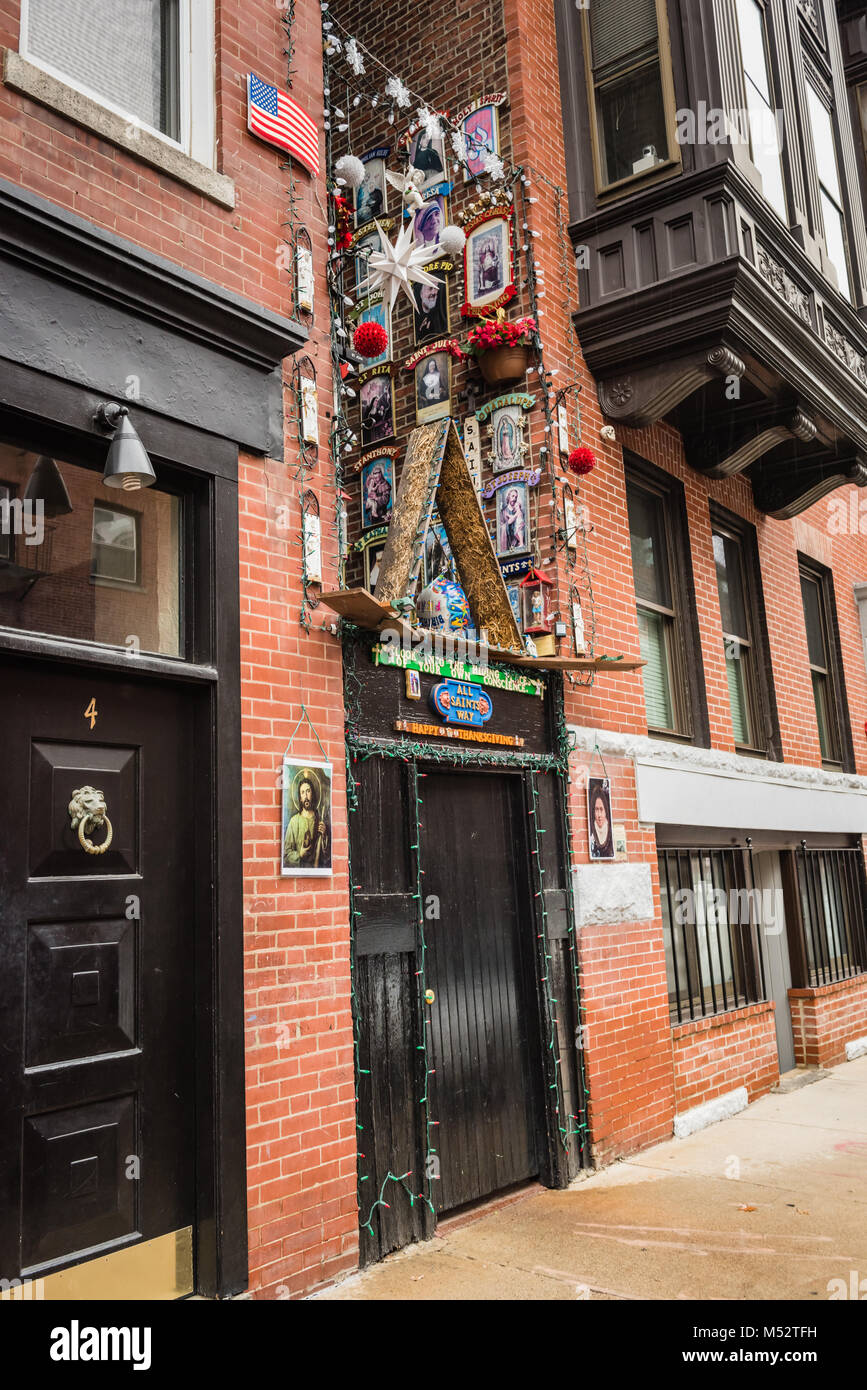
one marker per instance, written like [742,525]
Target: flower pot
[504,364]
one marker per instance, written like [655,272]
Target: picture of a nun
[432,387]
[599,818]
[428,155]
[429,222]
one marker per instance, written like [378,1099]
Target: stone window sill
[25,77]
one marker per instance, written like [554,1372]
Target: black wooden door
[486,1087]
[96,967]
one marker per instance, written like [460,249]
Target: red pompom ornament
[370,339]
[582,460]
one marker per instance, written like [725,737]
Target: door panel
[775,948]
[96,967]
[486,1087]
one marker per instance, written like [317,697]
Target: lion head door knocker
[88,812]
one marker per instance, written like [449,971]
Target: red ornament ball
[582,460]
[370,339]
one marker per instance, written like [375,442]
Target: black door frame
[565,1149]
[59,416]
[530,952]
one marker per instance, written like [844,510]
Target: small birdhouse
[535,591]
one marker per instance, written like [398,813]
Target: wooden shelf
[361,608]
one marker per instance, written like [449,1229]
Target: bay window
[830,194]
[630,89]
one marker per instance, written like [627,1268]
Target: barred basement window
[833,913]
[711,915]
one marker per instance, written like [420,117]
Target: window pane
[823,143]
[751,25]
[631,116]
[657,678]
[813,619]
[649,551]
[736,676]
[89,569]
[820,695]
[621,27]
[125,52]
[730,586]
[765,145]
[835,243]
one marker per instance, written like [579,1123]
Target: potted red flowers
[502,347]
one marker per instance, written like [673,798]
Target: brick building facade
[154,264]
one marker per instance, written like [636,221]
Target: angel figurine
[409,186]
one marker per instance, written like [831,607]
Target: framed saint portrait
[513,519]
[431,318]
[508,449]
[570,519]
[433,387]
[377,491]
[309,411]
[488,262]
[377,408]
[600,828]
[482,136]
[304,278]
[306,840]
[371,198]
[429,222]
[376,311]
[430,157]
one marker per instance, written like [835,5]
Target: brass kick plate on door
[155,1270]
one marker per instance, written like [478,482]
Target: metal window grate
[711,913]
[833,909]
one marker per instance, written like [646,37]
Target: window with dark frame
[739,586]
[830,193]
[826,913]
[7,531]
[630,88]
[711,929]
[116,548]
[658,543]
[764,136]
[826,672]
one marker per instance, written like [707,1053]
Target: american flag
[275,117]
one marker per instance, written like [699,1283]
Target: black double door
[486,1086]
[97,1104]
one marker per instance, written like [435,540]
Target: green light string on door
[565,743]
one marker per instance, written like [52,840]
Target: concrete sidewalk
[769,1204]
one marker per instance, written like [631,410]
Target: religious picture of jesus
[306,825]
[512,530]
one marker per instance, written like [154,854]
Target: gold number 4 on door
[91,712]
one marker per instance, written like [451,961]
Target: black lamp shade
[46,485]
[127,465]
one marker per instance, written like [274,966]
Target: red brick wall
[826,1018]
[713,1056]
[300,1094]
